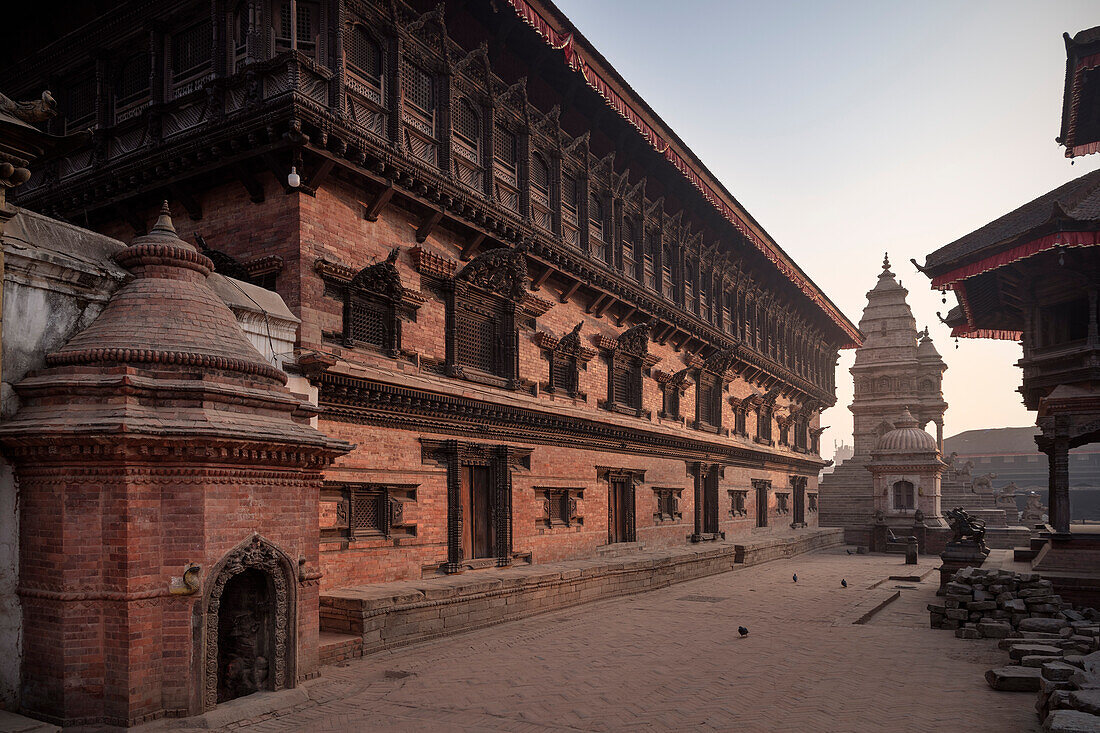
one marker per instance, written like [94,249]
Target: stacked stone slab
[994,603]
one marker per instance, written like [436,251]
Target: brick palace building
[540,320]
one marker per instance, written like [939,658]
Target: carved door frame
[798,496]
[632,479]
[257,553]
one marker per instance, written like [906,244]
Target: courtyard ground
[672,659]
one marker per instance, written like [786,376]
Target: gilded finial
[164,221]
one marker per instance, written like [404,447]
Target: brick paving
[672,659]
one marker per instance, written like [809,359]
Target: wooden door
[710,502]
[762,506]
[800,501]
[477,526]
[619,514]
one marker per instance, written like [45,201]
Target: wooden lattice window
[540,192]
[308,27]
[728,324]
[478,332]
[564,373]
[709,394]
[559,507]
[364,57]
[649,263]
[368,515]
[369,320]
[79,105]
[739,422]
[351,511]
[670,401]
[630,249]
[597,245]
[625,381]
[668,286]
[668,505]
[738,502]
[419,91]
[467,127]
[782,502]
[191,52]
[706,300]
[811,502]
[764,423]
[504,150]
[133,80]
[690,294]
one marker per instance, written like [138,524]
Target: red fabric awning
[949,280]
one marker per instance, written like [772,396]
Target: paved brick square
[672,660]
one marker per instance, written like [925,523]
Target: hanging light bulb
[943,292]
[1061,257]
[293,180]
[956,342]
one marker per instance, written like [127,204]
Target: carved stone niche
[251,622]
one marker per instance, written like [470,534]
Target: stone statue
[1034,511]
[960,469]
[982,484]
[1006,496]
[968,530]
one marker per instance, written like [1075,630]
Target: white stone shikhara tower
[896,369]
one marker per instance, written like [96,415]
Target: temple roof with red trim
[1080,132]
[1072,207]
[579,54]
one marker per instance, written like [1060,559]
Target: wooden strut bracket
[568,292]
[427,224]
[374,209]
[471,246]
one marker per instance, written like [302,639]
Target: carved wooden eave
[341,274]
[502,271]
[679,379]
[636,475]
[264,265]
[569,344]
[534,306]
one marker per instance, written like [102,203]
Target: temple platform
[1073,564]
[361,620]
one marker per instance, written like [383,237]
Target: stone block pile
[1053,648]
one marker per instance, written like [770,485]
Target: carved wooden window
[597,244]
[738,502]
[505,156]
[811,501]
[782,502]
[79,105]
[352,511]
[728,324]
[479,332]
[419,91]
[764,423]
[801,430]
[706,300]
[564,373]
[370,320]
[540,191]
[559,507]
[625,381]
[570,227]
[308,27]
[240,34]
[668,284]
[649,263]
[690,294]
[668,505]
[709,400]
[630,250]
[191,57]
[365,58]
[670,401]
[132,87]
[739,421]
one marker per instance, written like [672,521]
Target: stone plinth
[956,556]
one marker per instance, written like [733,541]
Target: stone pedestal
[958,555]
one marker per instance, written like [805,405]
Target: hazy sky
[852,128]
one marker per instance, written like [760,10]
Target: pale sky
[852,128]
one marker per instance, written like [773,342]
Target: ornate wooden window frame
[762,486]
[565,353]
[715,371]
[673,387]
[782,502]
[500,274]
[502,461]
[631,351]
[348,495]
[811,502]
[564,500]
[668,504]
[738,502]
[377,287]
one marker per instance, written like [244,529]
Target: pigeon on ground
[848,551]
[843,583]
[796,577]
[742,631]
